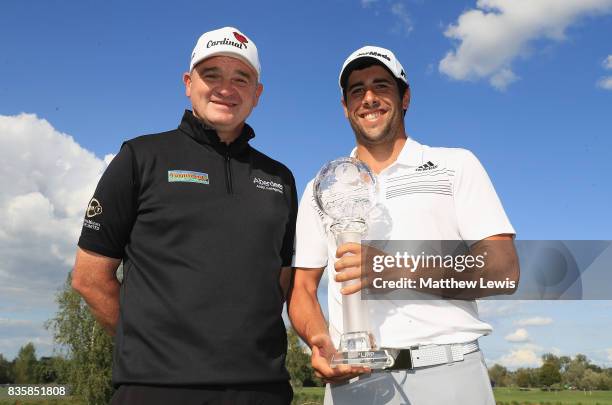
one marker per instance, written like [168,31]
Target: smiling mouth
[372,115]
[223,103]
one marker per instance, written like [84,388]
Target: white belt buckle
[455,352]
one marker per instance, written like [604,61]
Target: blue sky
[528,95]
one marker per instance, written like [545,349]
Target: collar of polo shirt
[411,154]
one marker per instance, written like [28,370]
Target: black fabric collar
[203,134]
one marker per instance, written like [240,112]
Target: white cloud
[494,34]
[605,83]
[403,21]
[107,158]
[367,3]
[46,180]
[6,322]
[15,333]
[609,353]
[502,79]
[404,25]
[519,336]
[9,347]
[523,357]
[492,309]
[535,321]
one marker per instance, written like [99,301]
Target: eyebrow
[244,74]
[375,81]
[209,70]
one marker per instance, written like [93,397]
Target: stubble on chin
[381,136]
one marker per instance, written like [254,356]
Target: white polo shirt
[426,194]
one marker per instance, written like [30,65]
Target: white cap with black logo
[226,41]
[368,55]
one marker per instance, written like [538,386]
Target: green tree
[549,374]
[499,375]
[298,361]
[574,371]
[590,380]
[50,370]
[565,362]
[552,359]
[606,381]
[5,371]
[582,359]
[25,365]
[87,347]
[523,378]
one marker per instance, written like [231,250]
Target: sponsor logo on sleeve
[88,223]
[94,208]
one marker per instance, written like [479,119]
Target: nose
[225,88]
[370,99]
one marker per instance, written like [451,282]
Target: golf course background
[314,396]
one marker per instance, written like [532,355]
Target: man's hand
[322,350]
[348,266]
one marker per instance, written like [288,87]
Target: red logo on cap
[241,38]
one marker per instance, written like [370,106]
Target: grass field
[503,396]
[512,396]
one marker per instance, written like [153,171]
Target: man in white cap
[204,226]
[424,194]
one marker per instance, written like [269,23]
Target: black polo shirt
[203,230]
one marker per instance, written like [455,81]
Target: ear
[187,81]
[406,99]
[344,107]
[258,92]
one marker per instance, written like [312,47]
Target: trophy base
[356,349]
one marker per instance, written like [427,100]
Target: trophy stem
[353,307]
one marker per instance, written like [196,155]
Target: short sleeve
[310,236]
[289,238]
[111,212]
[479,211]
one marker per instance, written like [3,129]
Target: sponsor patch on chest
[268,185]
[185,176]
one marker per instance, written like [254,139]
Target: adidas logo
[426,166]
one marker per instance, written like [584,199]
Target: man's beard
[383,135]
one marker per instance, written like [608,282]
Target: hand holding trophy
[345,189]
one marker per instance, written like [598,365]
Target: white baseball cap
[226,41]
[369,55]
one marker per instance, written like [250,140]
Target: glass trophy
[345,190]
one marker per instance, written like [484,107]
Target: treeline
[90,378]
[26,368]
[556,373]
[85,362]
